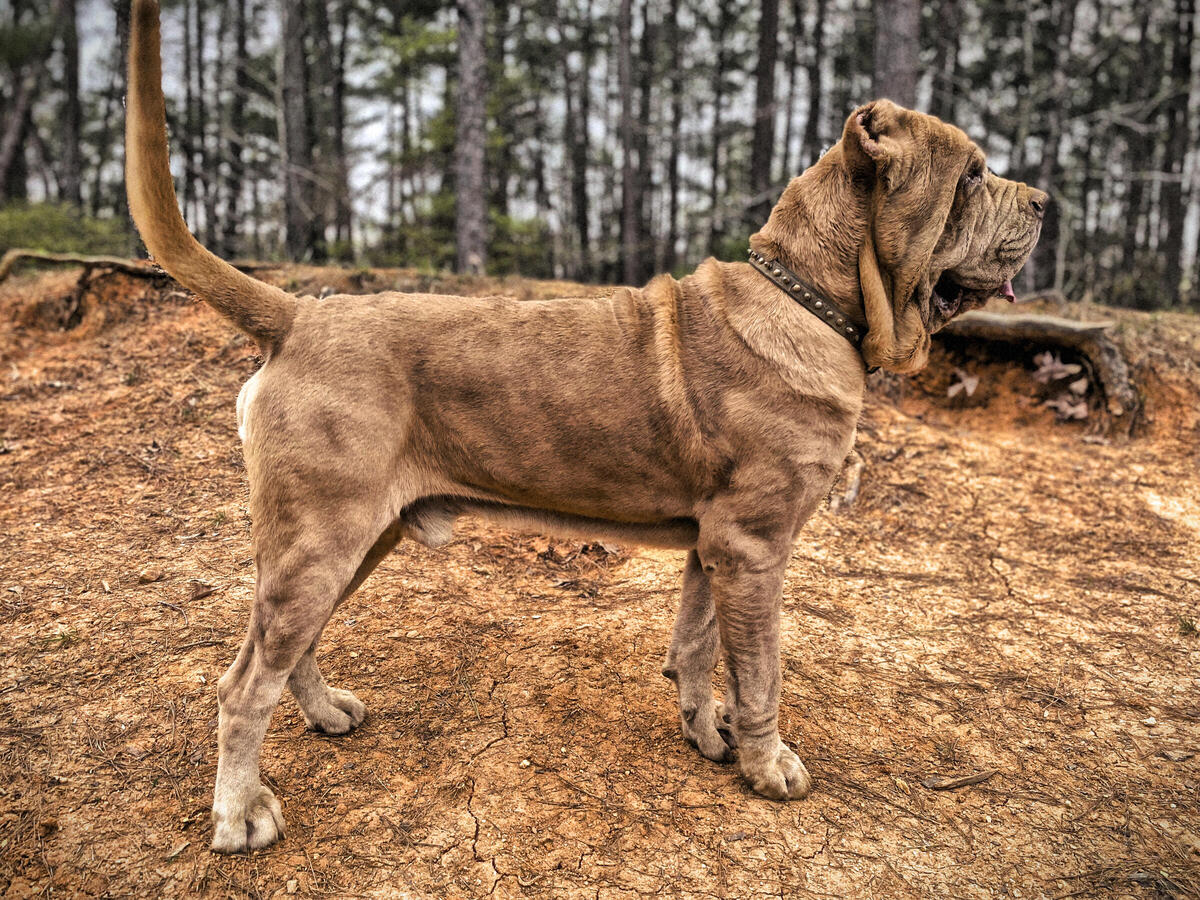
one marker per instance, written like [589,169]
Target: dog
[709,414]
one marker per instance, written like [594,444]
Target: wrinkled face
[992,228]
[903,216]
[949,233]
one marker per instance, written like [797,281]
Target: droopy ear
[896,337]
[869,138]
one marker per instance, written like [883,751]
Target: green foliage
[29,40]
[1141,286]
[61,229]
[732,246]
[426,243]
[523,246]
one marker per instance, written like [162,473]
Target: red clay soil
[1007,595]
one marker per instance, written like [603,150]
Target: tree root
[126,266]
[1091,340]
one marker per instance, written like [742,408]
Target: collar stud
[806,295]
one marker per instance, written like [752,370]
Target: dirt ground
[1007,593]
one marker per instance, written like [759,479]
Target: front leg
[745,571]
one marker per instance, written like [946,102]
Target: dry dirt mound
[1003,597]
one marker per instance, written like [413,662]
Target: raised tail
[261,310]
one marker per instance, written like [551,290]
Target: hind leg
[300,581]
[327,709]
[690,663]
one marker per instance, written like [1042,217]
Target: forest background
[597,140]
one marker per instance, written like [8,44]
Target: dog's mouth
[951,298]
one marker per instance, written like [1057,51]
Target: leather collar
[809,297]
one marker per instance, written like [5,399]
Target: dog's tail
[261,310]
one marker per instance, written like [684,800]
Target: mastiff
[709,414]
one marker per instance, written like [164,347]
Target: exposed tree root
[114,263]
[1089,339]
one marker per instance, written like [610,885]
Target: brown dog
[710,414]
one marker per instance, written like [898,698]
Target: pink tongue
[1007,292]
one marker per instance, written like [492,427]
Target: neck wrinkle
[816,230]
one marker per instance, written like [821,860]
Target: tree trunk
[301,240]
[580,155]
[763,145]
[670,256]
[1024,111]
[1092,204]
[120,203]
[725,17]
[630,239]
[1174,205]
[320,98]
[12,144]
[72,122]
[543,204]
[647,53]
[187,189]
[791,65]
[1139,141]
[237,127]
[207,168]
[897,49]
[470,223]
[575,133]
[948,30]
[499,159]
[1041,271]
[343,212]
[812,125]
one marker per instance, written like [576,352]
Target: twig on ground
[937,783]
[853,472]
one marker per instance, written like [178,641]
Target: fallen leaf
[967,384]
[200,591]
[1051,368]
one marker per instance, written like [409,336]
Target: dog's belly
[430,521]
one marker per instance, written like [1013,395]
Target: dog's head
[913,207]
[946,234]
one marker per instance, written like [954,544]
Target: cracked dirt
[1006,594]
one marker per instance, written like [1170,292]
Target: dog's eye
[973,177]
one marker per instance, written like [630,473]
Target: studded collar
[809,297]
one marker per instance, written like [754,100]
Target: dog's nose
[1037,201]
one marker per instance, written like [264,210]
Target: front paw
[247,823]
[776,773]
